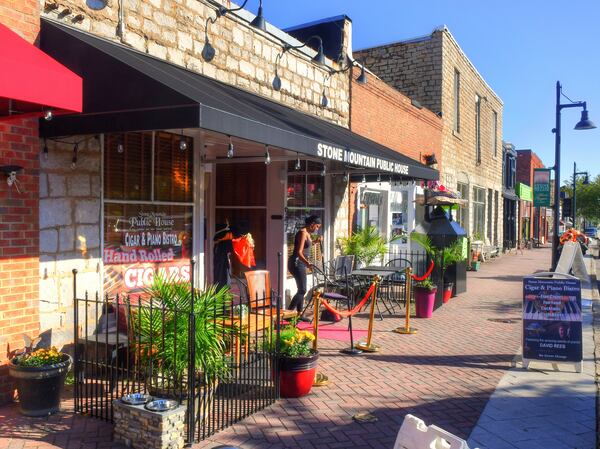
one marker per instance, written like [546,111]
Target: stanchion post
[368,346]
[406,329]
[320,379]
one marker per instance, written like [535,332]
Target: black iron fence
[214,355]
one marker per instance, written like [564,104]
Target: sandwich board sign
[552,319]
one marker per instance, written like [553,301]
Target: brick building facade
[19,230]
[434,71]
[533,221]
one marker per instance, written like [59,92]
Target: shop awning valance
[31,82]
[126,90]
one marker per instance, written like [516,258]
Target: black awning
[126,90]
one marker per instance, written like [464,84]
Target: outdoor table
[383,272]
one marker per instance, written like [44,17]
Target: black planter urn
[40,387]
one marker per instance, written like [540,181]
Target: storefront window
[148,210]
[478,213]
[462,216]
[305,196]
[399,211]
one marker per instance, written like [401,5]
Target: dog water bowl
[161,405]
[136,398]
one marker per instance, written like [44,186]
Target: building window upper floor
[510,170]
[477,129]
[456,125]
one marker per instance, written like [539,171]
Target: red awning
[32,82]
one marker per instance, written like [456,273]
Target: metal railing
[141,344]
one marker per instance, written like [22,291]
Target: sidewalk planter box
[424,301]
[296,375]
[39,387]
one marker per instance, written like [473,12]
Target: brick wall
[527,162]
[384,115]
[19,236]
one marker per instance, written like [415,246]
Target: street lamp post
[585,181]
[584,123]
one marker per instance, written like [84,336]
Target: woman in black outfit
[298,262]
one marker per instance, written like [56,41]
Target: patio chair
[260,294]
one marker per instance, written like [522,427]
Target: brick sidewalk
[445,374]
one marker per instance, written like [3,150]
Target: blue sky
[521,48]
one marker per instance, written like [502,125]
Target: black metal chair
[333,290]
[391,289]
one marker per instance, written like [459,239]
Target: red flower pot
[296,375]
[424,301]
[447,292]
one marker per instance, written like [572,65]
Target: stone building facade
[434,71]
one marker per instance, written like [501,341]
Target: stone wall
[423,69]
[173,30]
[413,67]
[19,236]
[70,211]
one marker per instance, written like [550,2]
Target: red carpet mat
[335,331]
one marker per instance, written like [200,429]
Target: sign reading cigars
[552,319]
[142,241]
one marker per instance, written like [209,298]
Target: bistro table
[385,273]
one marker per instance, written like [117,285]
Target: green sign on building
[541,187]
[524,192]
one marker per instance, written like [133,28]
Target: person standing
[223,247]
[299,262]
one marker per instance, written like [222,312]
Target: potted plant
[424,298]
[297,361]
[40,377]
[164,338]
[366,245]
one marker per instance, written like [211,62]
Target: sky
[521,48]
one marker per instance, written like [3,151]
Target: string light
[364,180]
[120,147]
[48,115]
[230,149]
[298,165]
[74,160]
[346,177]
[324,171]
[267,156]
[45,150]
[182,143]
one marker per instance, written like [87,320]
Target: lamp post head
[585,122]
[586,180]
[320,56]
[259,21]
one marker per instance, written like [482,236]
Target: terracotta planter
[39,388]
[447,292]
[296,375]
[424,302]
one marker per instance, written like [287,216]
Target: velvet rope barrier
[355,310]
[426,275]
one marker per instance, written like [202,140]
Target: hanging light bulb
[45,150]
[379,178]
[74,160]
[324,171]
[230,149]
[298,165]
[48,115]
[324,100]
[120,147]
[346,177]
[182,142]
[267,156]
[364,180]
